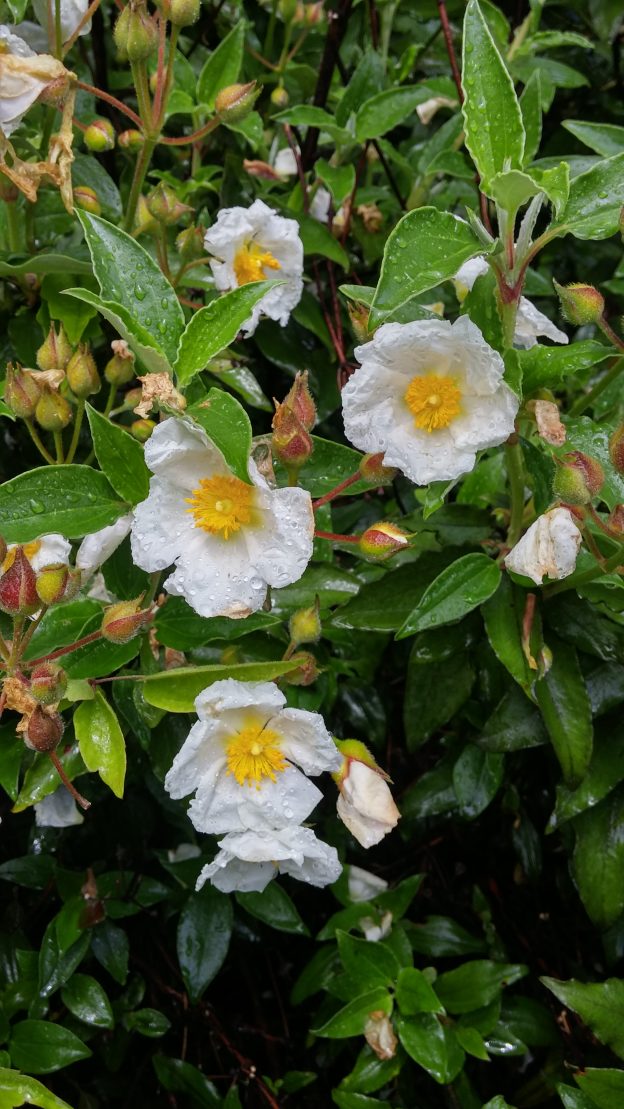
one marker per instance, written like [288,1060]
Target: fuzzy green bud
[373,470]
[53,412]
[18,587]
[48,683]
[190,243]
[164,206]
[307,670]
[578,478]
[291,442]
[55,351]
[580,303]
[183,13]
[130,139]
[87,199]
[120,369]
[615,521]
[382,540]
[305,624]
[142,429]
[135,33]
[235,102]
[279,97]
[82,376]
[99,136]
[358,318]
[616,449]
[21,391]
[52,583]
[122,621]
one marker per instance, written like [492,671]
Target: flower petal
[98,547]
[307,741]
[222,805]
[181,453]
[221,697]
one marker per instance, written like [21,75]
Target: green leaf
[600,1005]
[18,1089]
[549,367]
[574,1099]
[387,109]
[227,424]
[87,1000]
[87,170]
[531,108]
[605,1087]
[345,1099]
[427,246]
[120,457]
[605,139]
[593,438]
[318,239]
[274,907]
[459,589]
[503,615]
[42,778]
[147,1022]
[595,202]
[101,741]
[214,327]
[439,937]
[223,66]
[476,983]
[415,994]
[203,938]
[31,871]
[176,690]
[111,948]
[328,465]
[178,626]
[492,117]
[369,964]
[72,500]
[605,772]
[129,276]
[564,703]
[598,862]
[514,725]
[309,115]
[340,180]
[433,694]
[350,1020]
[11,754]
[179,1077]
[146,348]
[432,1045]
[477,777]
[42,1047]
[42,264]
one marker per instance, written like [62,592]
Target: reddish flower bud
[578,478]
[164,205]
[55,351]
[48,683]
[86,198]
[383,540]
[130,139]
[291,443]
[580,303]
[358,318]
[44,730]
[235,102]
[124,620]
[300,401]
[99,136]
[21,391]
[190,243]
[616,519]
[616,449]
[307,670]
[82,375]
[142,429]
[18,587]
[373,470]
[305,624]
[53,412]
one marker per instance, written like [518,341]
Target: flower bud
[99,136]
[55,351]
[616,449]
[87,199]
[300,401]
[291,443]
[307,670]
[305,624]
[615,521]
[580,303]
[365,804]
[373,470]
[382,540]
[379,1035]
[119,369]
[21,391]
[44,730]
[124,620]
[18,587]
[130,139]
[82,376]
[142,429]
[53,412]
[235,102]
[135,33]
[578,478]
[279,97]
[133,398]
[144,221]
[190,243]
[183,13]
[164,205]
[358,318]
[52,582]
[48,683]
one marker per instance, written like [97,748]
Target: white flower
[24,75]
[320,205]
[285,162]
[57,810]
[97,547]
[428,108]
[365,803]
[241,759]
[429,395]
[254,244]
[550,546]
[72,11]
[249,860]
[363,886]
[375,931]
[48,550]
[530,323]
[228,539]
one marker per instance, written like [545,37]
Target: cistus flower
[247,861]
[228,539]
[58,810]
[254,244]
[24,75]
[549,548]
[530,324]
[71,12]
[247,759]
[97,547]
[428,395]
[365,804]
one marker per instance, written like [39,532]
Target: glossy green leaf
[111,948]
[492,117]
[598,861]
[440,936]
[350,1020]
[605,139]
[274,907]
[214,327]
[178,626]
[369,964]
[328,465]
[514,725]
[72,500]
[101,741]
[340,180]
[120,457]
[387,109]
[595,202]
[604,1087]
[433,695]
[415,994]
[11,754]
[42,264]
[476,983]
[87,1000]
[549,367]
[566,711]
[129,276]
[19,1089]
[593,438]
[531,108]
[203,938]
[309,115]
[226,423]
[42,1047]
[605,772]
[459,589]
[432,1045]
[41,778]
[477,777]
[176,690]
[425,248]
[503,614]
[147,1022]
[147,349]
[223,66]
[600,1005]
[179,1077]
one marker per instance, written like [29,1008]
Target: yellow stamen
[433,400]
[221,505]
[254,753]
[250,262]
[29,549]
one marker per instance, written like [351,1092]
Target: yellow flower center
[250,262]
[433,400]
[221,505]
[30,550]
[253,754]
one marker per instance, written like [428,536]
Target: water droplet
[139,292]
[36,506]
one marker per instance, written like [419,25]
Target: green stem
[584,402]
[110,400]
[73,446]
[154,580]
[610,334]
[13,227]
[58,32]
[5,650]
[58,443]
[18,624]
[140,169]
[515,473]
[26,638]
[37,441]
[606,567]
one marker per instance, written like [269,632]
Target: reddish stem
[300,170]
[111,100]
[200,134]
[450,49]
[337,490]
[335,538]
[80,800]
[64,650]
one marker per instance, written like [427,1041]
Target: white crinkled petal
[180,452]
[161,527]
[530,324]
[280,551]
[285,162]
[229,874]
[366,805]
[549,548]
[306,741]
[72,12]
[98,547]
[216,578]
[320,865]
[57,810]
[468,273]
[201,753]
[222,805]
[223,696]
[485,421]
[15,43]
[321,204]
[365,830]
[293,850]
[363,886]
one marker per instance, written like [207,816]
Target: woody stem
[337,490]
[56,762]
[66,650]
